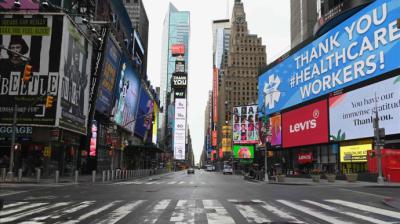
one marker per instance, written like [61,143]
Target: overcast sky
[269,19]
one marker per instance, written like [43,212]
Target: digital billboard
[144,116]
[243,151]
[126,95]
[25,4]
[75,80]
[360,48]
[354,153]
[276,130]
[352,113]
[180,130]
[245,129]
[38,38]
[108,77]
[155,124]
[305,126]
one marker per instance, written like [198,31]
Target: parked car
[190,170]
[209,168]
[227,170]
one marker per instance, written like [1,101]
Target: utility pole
[14,124]
[378,133]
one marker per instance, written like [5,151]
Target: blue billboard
[145,116]
[126,95]
[107,77]
[364,46]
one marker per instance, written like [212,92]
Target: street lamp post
[378,133]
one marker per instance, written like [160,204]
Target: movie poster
[38,39]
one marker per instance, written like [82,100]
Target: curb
[392,202]
[283,183]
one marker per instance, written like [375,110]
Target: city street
[205,197]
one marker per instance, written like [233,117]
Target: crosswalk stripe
[14,205]
[191,182]
[250,214]
[10,211]
[312,212]
[220,216]
[184,212]
[94,212]
[121,212]
[59,213]
[24,214]
[154,214]
[367,208]
[352,214]
[278,212]
[182,182]
[172,182]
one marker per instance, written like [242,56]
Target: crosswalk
[160,182]
[193,211]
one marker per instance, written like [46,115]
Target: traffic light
[49,101]
[27,72]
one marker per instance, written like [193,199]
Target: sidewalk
[324,182]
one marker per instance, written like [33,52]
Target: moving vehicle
[209,167]
[190,170]
[227,170]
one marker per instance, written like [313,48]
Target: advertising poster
[306,126]
[39,39]
[276,130]
[93,139]
[108,77]
[354,153]
[215,95]
[75,79]
[25,4]
[155,124]
[226,138]
[144,118]
[126,95]
[352,113]
[245,129]
[180,130]
[360,48]
[243,151]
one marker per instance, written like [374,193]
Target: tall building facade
[246,57]
[140,22]
[176,30]
[303,17]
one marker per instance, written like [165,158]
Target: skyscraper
[303,17]
[176,30]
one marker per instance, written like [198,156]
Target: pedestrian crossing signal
[27,73]
[49,101]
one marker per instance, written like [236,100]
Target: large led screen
[305,126]
[351,113]
[243,151]
[180,129]
[244,125]
[360,48]
[144,117]
[276,130]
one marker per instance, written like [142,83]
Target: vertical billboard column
[180,129]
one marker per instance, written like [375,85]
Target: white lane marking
[364,193]
[278,211]
[10,211]
[24,214]
[367,208]
[355,215]
[184,212]
[202,182]
[94,212]
[151,182]
[220,216]
[172,182]
[59,213]
[182,182]
[11,193]
[250,214]
[14,204]
[154,214]
[312,212]
[191,182]
[121,212]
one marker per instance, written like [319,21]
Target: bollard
[103,179]
[3,174]
[19,175]
[112,174]
[108,175]
[38,175]
[76,176]
[93,176]
[57,176]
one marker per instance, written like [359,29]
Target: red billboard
[214,138]
[178,49]
[306,126]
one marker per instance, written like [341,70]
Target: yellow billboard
[226,144]
[354,153]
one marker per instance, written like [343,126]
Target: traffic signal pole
[14,124]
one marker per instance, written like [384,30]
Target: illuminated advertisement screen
[351,113]
[245,129]
[144,116]
[243,151]
[180,129]
[155,124]
[276,130]
[306,126]
[354,153]
[360,48]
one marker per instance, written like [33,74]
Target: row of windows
[248,63]
[250,49]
